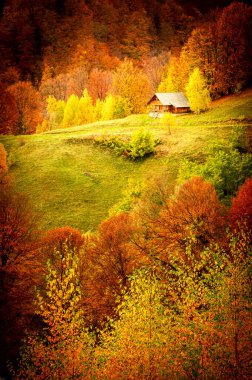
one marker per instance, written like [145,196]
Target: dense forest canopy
[55,51]
[52,51]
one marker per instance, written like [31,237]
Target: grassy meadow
[70,181]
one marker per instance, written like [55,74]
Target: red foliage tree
[222,49]
[16,227]
[20,270]
[3,156]
[28,106]
[56,87]
[137,38]
[193,218]
[9,76]
[60,240]
[241,208]
[4,175]
[22,46]
[99,84]
[111,257]
[8,113]
[234,27]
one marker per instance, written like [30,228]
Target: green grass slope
[72,182]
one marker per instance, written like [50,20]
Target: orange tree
[28,105]
[130,83]
[241,207]
[110,258]
[193,217]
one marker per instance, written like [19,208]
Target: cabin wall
[156,106]
[181,109]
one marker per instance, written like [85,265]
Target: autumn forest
[125,239]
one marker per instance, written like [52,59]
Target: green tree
[63,348]
[225,169]
[197,92]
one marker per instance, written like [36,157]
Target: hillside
[72,182]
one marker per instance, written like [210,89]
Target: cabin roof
[176,99]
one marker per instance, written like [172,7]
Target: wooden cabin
[174,102]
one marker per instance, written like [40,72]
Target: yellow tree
[171,81]
[98,109]
[137,346]
[51,111]
[231,306]
[86,111]
[62,350]
[197,92]
[70,111]
[108,108]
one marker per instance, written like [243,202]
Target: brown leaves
[28,105]
[194,217]
[17,226]
[241,207]
[111,257]
[8,113]
[57,241]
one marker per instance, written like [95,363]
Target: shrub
[113,143]
[142,144]
[226,170]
